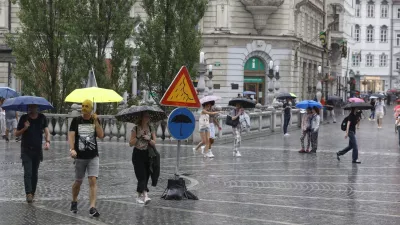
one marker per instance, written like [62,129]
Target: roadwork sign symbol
[181,92]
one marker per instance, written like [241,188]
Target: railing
[262,121]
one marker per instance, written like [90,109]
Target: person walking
[287,107]
[82,138]
[142,138]
[11,123]
[31,127]
[3,125]
[306,131]
[351,134]
[213,123]
[237,130]
[314,124]
[398,124]
[204,128]
[372,116]
[331,109]
[380,109]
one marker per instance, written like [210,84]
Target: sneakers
[74,207]
[308,150]
[338,156]
[147,200]
[237,154]
[287,134]
[93,212]
[302,151]
[202,149]
[357,162]
[209,154]
[29,198]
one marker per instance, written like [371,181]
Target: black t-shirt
[85,138]
[32,138]
[353,120]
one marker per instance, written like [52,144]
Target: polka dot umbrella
[134,114]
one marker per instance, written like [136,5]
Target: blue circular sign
[181,123]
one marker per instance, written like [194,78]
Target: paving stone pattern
[271,184]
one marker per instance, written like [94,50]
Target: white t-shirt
[204,121]
[379,106]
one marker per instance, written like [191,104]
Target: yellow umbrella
[97,95]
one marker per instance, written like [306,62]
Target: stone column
[134,81]
[201,85]
[271,84]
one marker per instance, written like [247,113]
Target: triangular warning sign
[181,92]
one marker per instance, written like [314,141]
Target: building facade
[242,37]
[395,46]
[371,57]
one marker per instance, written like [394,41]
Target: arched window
[384,31]
[357,33]
[370,33]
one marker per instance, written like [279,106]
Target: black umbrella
[286,95]
[358,105]
[334,98]
[181,119]
[244,102]
[378,95]
[134,114]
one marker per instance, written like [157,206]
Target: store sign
[253,80]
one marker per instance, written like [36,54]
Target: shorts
[204,129]
[11,124]
[379,115]
[91,166]
[212,131]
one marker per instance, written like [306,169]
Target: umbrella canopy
[7,92]
[286,95]
[245,103]
[97,95]
[249,93]
[134,113]
[377,95]
[396,107]
[373,97]
[21,103]
[356,100]
[334,98]
[209,98]
[358,105]
[308,104]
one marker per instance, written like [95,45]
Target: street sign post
[181,122]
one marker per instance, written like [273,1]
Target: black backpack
[343,126]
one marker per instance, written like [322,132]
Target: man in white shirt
[380,111]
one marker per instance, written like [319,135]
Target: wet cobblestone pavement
[271,184]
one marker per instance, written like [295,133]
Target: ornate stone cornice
[309,4]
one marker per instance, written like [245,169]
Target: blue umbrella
[7,92]
[21,103]
[249,93]
[308,104]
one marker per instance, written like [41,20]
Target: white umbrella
[373,97]
[209,98]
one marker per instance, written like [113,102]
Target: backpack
[343,126]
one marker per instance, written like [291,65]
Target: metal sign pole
[177,160]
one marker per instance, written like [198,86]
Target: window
[384,11]
[357,33]
[383,60]
[370,60]
[398,13]
[356,59]
[370,9]
[358,10]
[397,63]
[370,33]
[384,33]
[398,39]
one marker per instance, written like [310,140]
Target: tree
[38,47]
[60,40]
[167,40]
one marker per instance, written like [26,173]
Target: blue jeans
[286,123]
[352,145]
[372,116]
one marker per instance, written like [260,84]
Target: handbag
[230,122]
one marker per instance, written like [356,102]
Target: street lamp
[319,84]
[210,83]
[277,84]
[270,83]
